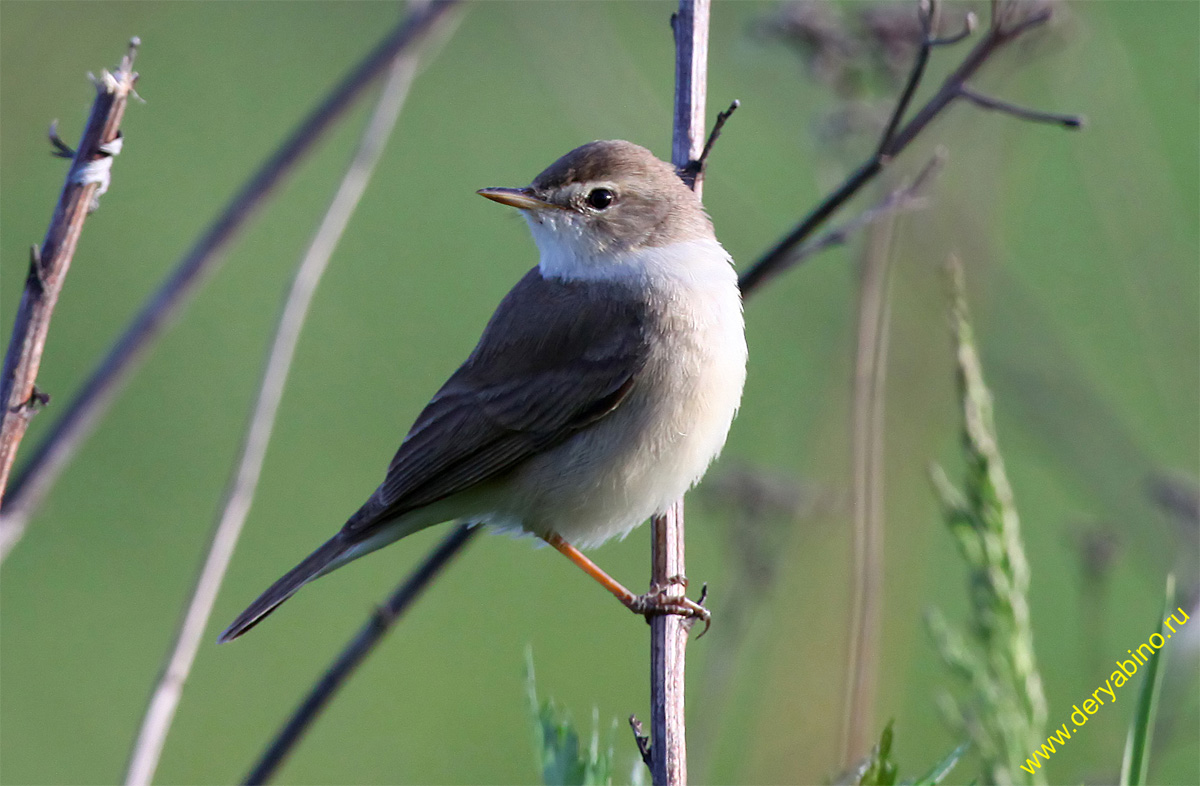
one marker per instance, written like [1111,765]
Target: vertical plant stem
[87,179]
[668,654]
[870,373]
[1008,710]
[669,632]
[1135,764]
[690,25]
[161,711]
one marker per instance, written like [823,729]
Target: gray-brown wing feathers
[565,357]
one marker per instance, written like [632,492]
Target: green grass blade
[879,769]
[1136,762]
[940,770]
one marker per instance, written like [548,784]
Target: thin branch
[896,136]
[84,412]
[160,712]
[969,22]
[690,26]
[909,197]
[1027,23]
[926,13]
[1033,115]
[669,632]
[86,180]
[700,165]
[356,651]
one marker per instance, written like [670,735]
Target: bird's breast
[638,460]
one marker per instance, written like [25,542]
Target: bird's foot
[665,599]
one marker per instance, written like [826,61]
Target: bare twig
[690,25]
[161,711]
[926,15]
[668,652]
[898,136]
[669,632]
[82,414]
[86,180]
[903,199]
[356,651]
[700,165]
[969,22]
[1033,115]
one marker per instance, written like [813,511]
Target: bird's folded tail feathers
[314,565]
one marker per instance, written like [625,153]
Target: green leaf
[940,770]
[879,769]
[1136,762]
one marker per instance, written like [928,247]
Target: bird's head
[605,199]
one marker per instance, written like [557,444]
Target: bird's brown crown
[613,159]
[646,204]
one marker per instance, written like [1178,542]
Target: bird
[600,391]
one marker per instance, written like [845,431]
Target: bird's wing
[555,357]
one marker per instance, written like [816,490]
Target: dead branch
[642,741]
[87,178]
[896,137]
[669,632]
[84,412]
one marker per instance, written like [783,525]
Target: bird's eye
[600,198]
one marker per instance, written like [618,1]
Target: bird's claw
[660,601]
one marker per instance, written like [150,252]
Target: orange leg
[654,602]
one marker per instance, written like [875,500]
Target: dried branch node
[61,148]
[37,399]
[642,740]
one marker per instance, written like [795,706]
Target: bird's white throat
[570,252]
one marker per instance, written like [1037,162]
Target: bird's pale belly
[605,481]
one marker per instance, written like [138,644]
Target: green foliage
[1006,711]
[880,770]
[1136,762]
[938,772]
[556,742]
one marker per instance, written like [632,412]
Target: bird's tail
[318,563]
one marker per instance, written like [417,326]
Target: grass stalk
[1135,764]
[1005,715]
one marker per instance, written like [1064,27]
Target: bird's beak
[521,198]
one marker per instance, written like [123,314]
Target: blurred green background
[1082,259]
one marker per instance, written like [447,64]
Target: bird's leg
[656,601]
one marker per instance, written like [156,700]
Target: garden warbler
[602,387]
